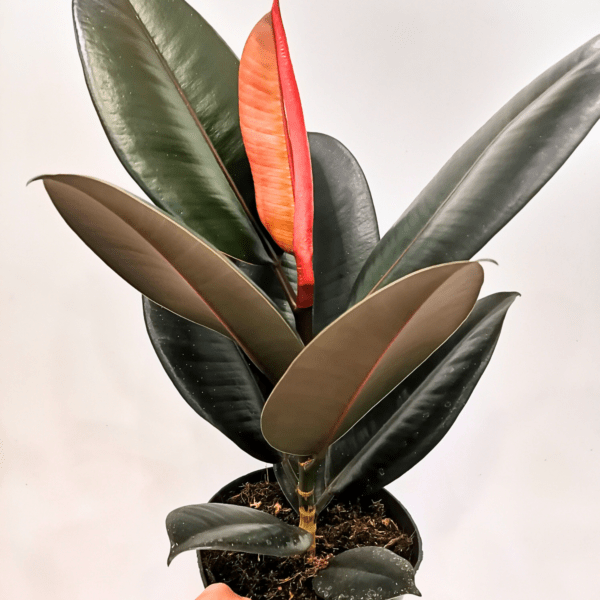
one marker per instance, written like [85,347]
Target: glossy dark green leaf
[403,428]
[345,226]
[491,178]
[367,572]
[364,354]
[164,84]
[233,528]
[175,268]
[213,376]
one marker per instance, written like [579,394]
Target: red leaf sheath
[300,165]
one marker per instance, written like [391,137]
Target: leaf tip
[172,554]
[37,178]
[488,260]
[510,297]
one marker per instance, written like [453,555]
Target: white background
[97,447]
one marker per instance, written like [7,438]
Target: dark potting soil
[340,527]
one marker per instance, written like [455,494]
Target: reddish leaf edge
[299,162]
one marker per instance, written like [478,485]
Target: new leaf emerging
[275,138]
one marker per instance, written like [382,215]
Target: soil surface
[340,527]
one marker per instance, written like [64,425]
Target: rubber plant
[273,305]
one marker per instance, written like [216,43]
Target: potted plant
[368,349]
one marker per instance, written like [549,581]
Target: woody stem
[306,499]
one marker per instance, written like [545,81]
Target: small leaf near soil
[366,574]
[236,528]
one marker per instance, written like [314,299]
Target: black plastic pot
[393,508]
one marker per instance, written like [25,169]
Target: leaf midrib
[188,105]
[390,423]
[335,427]
[212,308]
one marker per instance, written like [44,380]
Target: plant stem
[303,318]
[307,501]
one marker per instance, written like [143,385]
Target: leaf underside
[406,425]
[175,268]
[364,354]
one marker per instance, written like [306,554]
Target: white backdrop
[96,447]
